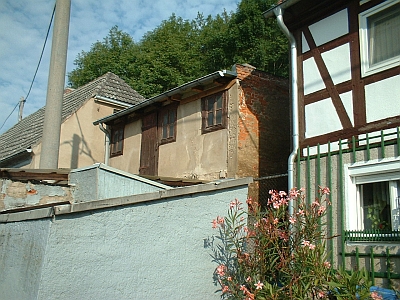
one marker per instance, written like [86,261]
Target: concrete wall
[158,249]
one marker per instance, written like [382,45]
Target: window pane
[384,34]
[210,120]
[219,117]
[219,102]
[210,104]
[376,205]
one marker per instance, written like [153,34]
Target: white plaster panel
[330,28]
[347,100]
[321,118]
[304,44]
[153,250]
[337,61]
[312,79]
[382,99]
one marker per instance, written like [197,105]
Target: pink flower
[248,279]
[214,223]
[305,243]
[221,270]
[311,246]
[321,210]
[292,220]
[376,296]
[244,289]
[321,295]
[259,285]
[220,220]
[229,278]
[300,212]
[327,264]
[294,193]
[315,203]
[324,190]
[276,221]
[225,289]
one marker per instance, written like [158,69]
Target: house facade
[346,82]
[227,124]
[81,144]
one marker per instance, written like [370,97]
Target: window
[380,37]
[167,124]
[117,140]
[373,195]
[213,112]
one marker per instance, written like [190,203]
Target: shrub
[267,253]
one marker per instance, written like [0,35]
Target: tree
[115,54]
[178,51]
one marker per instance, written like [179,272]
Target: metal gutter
[270,13]
[111,101]
[174,91]
[278,11]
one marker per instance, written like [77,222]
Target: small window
[373,196]
[167,124]
[380,37]
[213,112]
[117,141]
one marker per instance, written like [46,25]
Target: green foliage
[178,51]
[351,285]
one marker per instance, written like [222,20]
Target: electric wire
[37,67]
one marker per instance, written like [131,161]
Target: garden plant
[268,253]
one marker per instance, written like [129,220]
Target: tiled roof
[28,132]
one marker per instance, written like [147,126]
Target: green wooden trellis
[350,147]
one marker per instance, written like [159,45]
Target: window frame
[360,173]
[205,127]
[166,111]
[366,68]
[117,147]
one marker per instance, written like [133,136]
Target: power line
[37,67]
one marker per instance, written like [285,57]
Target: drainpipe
[107,150]
[294,94]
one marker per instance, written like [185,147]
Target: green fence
[325,167]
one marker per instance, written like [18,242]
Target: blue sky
[23,27]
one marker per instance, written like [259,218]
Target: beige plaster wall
[193,154]
[130,160]
[81,143]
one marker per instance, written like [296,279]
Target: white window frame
[368,172]
[366,68]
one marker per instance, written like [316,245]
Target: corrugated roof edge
[217,74]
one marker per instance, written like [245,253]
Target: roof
[28,132]
[188,89]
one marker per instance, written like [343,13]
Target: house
[81,144]
[346,115]
[114,235]
[227,124]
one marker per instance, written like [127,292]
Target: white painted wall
[382,99]
[330,28]
[151,250]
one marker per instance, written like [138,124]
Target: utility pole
[55,87]
[21,108]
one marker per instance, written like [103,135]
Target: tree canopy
[178,50]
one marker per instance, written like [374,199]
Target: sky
[23,28]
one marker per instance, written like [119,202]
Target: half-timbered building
[346,115]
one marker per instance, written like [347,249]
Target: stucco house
[346,115]
[81,144]
[227,124]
